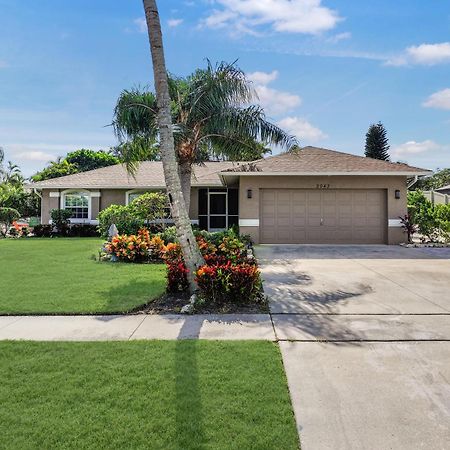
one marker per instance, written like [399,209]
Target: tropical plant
[377,143]
[75,162]
[409,227]
[192,256]
[211,119]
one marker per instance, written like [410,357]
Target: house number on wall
[322,186]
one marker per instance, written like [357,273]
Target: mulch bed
[171,303]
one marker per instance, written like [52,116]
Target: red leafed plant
[408,225]
[229,283]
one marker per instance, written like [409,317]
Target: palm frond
[250,125]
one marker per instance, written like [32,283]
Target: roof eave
[312,174]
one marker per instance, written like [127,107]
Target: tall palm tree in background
[10,173]
[211,119]
[192,256]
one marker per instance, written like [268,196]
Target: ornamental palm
[211,118]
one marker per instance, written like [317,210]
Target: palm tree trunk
[191,252]
[185,169]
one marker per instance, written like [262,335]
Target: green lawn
[144,394]
[61,276]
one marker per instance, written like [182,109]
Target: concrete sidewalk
[140,326]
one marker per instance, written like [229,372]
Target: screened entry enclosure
[218,208]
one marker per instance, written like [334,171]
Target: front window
[78,203]
[217,208]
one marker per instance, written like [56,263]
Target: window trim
[72,191]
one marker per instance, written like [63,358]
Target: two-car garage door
[323,216]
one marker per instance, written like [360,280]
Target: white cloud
[424,54]
[272,100]
[263,77]
[414,147]
[339,37]
[34,155]
[291,16]
[174,22]
[302,129]
[141,24]
[440,100]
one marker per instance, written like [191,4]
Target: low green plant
[122,216]
[61,220]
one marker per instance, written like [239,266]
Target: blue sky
[325,70]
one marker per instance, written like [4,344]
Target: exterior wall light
[249,193]
[397,193]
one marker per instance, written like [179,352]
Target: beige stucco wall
[249,208]
[112,197]
[48,203]
[107,198]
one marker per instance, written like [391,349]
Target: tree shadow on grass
[188,398]
[130,295]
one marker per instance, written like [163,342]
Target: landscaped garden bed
[228,281]
[152,394]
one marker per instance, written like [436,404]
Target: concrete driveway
[365,337]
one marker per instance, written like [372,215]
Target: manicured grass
[61,276]
[144,394]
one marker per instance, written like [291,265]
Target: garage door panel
[323,216]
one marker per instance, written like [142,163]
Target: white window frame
[133,191]
[72,191]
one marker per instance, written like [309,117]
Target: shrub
[229,283]
[228,276]
[122,216]
[138,247]
[7,217]
[61,220]
[42,230]
[176,269]
[83,230]
[433,221]
[149,206]
[169,235]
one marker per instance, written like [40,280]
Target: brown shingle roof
[314,160]
[149,174]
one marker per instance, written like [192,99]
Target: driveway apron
[364,333]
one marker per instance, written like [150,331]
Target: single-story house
[313,195]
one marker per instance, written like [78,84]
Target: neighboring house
[312,196]
[444,190]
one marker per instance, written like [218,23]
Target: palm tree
[10,174]
[192,256]
[211,118]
